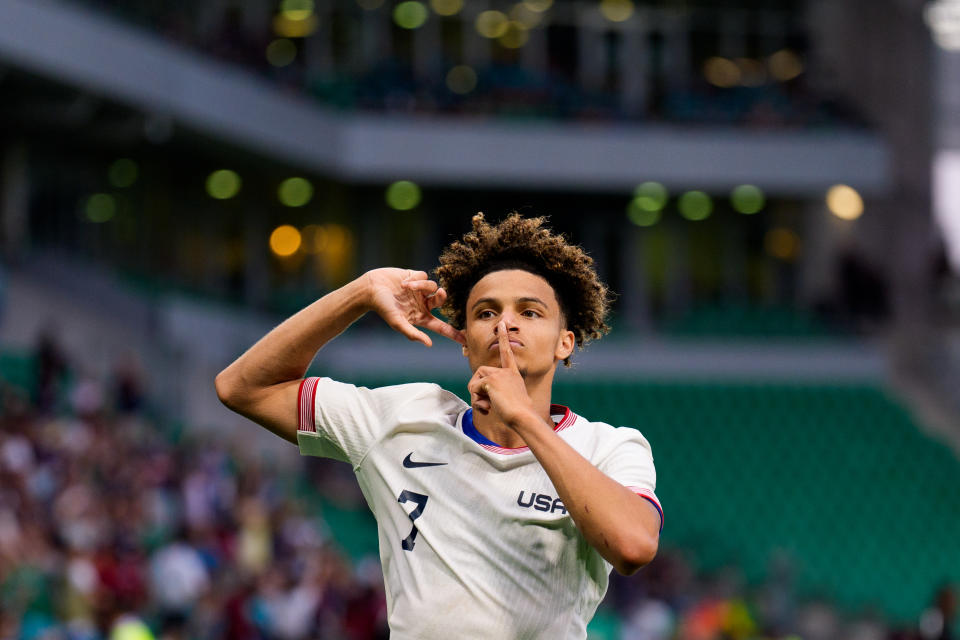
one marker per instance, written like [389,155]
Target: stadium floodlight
[446,7]
[403,195]
[616,10]
[695,206]
[295,192]
[650,196]
[492,24]
[943,18]
[844,202]
[641,216]
[123,173]
[462,79]
[410,14]
[783,244]
[223,184]
[747,199]
[285,240]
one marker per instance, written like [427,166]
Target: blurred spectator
[936,623]
[128,384]
[178,578]
[51,366]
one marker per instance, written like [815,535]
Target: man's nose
[509,319]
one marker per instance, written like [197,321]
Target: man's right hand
[404,299]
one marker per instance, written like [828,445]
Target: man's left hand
[501,390]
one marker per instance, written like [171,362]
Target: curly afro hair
[524,243]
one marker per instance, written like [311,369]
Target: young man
[499,519]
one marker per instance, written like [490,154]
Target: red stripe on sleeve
[651,497]
[307,398]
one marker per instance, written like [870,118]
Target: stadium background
[770,187]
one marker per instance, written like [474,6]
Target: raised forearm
[285,353]
[622,526]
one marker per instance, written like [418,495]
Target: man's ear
[565,345]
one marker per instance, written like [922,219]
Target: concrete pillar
[880,56]
[634,290]
[318,48]
[257,259]
[476,48]
[733,33]
[676,53]
[591,50]
[14,201]
[679,289]
[634,68]
[427,48]
[376,42]
[533,55]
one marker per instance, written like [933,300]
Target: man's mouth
[496,344]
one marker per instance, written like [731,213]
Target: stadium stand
[801,485]
[385,67]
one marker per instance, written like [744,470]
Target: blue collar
[472,432]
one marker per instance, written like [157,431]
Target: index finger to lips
[506,352]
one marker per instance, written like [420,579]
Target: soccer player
[500,519]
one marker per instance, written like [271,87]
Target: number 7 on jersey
[421,502]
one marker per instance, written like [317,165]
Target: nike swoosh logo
[410,464]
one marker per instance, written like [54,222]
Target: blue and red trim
[307,402]
[651,497]
[566,419]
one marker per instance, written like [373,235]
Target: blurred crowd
[115,526]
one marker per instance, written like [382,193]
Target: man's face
[529,307]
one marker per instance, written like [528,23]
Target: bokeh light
[338,238]
[403,195]
[295,192]
[616,10]
[288,28]
[695,205]
[462,79]
[640,215]
[525,15]
[122,173]
[785,65]
[296,9]
[650,196]
[100,207]
[844,202]
[515,36]
[539,6]
[721,72]
[446,7]
[281,52]
[223,184]
[410,14]
[752,72]
[781,243]
[315,238]
[747,199]
[285,240]
[492,24]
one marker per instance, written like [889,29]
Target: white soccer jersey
[474,540]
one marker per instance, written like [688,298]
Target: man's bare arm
[262,384]
[623,527]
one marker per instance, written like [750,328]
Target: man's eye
[486,313]
[531,313]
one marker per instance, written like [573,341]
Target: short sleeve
[342,421]
[630,462]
